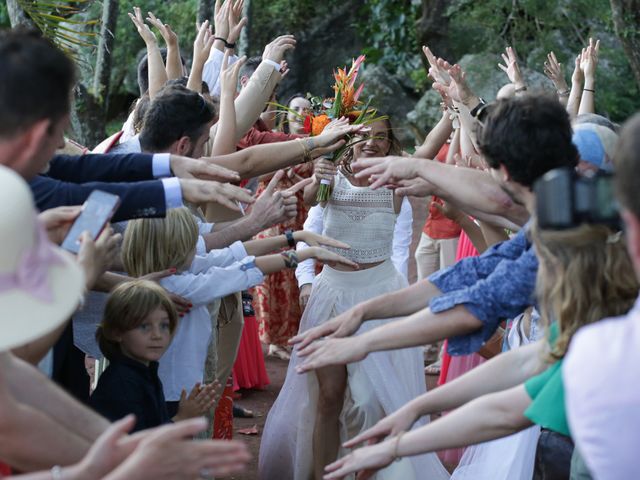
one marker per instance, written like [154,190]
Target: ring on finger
[206,474]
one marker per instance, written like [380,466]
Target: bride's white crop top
[361,217]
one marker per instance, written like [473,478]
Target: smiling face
[296,122]
[149,340]
[378,143]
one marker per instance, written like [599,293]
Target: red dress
[276,300]
[249,370]
[454,366]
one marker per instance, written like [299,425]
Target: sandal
[279,352]
[239,412]
[433,369]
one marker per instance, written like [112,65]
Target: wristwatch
[290,240]
[476,110]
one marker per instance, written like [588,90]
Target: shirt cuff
[205,228]
[470,343]
[201,246]
[255,275]
[161,165]
[275,65]
[238,251]
[172,192]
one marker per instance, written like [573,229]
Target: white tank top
[361,217]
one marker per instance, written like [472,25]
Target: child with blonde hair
[137,328]
[158,244]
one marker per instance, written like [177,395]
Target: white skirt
[376,386]
[507,458]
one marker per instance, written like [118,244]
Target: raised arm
[224,141]
[254,96]
[436,138]
[174,62]
[577,79]
[157,72]
[201,50]
[588,64]
[555,72]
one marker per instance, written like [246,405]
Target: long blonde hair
[156,244]
[585,275]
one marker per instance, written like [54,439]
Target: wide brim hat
[41,285]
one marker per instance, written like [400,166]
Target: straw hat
[40,284]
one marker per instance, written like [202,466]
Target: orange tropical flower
[318,124]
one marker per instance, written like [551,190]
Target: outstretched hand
[386,170]
[331,351]
[366,461]
[343,325]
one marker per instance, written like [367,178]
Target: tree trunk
[102,74]
[626,20]
[89,116]
[433,27]
[205,10]
[244,46]
[17,16]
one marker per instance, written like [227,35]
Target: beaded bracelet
[290,259]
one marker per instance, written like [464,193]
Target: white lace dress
[376,386]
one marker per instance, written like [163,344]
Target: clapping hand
[199,401]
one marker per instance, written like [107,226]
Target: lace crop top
[363,218]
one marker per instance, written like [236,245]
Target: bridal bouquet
[346,103]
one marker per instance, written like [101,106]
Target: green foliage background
[388,28]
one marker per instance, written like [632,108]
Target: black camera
[566,200]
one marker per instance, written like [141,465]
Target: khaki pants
[433,254]
[223,349]
[230,325]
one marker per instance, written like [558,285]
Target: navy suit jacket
[70,180]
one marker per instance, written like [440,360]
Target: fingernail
[190,305]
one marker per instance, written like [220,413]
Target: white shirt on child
[601,374]
[211,276]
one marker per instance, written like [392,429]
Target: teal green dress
[547,395]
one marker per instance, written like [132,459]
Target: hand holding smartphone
[96,213]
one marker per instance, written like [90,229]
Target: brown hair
[585,275]
[395,148]
[627,165]
[156,244]
[128,305]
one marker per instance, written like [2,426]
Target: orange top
[437,225]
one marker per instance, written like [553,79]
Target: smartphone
[96,213]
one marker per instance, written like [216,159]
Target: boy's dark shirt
[128,386]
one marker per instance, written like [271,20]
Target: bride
[316,412]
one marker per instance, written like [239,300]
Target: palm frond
[53,18]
